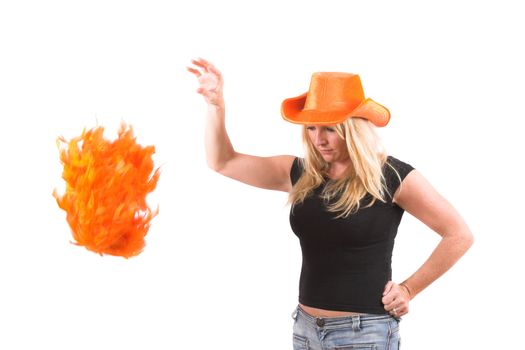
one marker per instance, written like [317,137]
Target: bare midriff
[315,312]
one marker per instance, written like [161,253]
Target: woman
[347,199]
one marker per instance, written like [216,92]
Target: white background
[221,266]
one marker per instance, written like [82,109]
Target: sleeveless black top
[347,261]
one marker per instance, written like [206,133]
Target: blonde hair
[365,177]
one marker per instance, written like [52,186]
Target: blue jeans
[367,331]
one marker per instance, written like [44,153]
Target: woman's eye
[310,128]
[330,129]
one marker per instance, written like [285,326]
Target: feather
[106,188]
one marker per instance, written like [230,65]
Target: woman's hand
[396,298]
[210,81]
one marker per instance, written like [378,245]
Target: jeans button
[320,322]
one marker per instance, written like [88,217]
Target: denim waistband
[333,321]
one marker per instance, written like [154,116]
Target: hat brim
[292,110]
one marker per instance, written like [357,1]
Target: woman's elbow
[466,239]
[216,166]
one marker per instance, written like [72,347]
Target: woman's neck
[335,170]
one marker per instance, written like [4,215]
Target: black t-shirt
[347,261]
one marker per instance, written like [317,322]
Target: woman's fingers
[388,288]
[210,81]
[205,67]
[398,311]
[397,308]
[204,62]
[194,71]
[201,62]
[395,301]
[198,62]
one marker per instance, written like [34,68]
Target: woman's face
[328,143]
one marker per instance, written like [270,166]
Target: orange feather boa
[106,187]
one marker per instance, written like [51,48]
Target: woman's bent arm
[271,173]
[421,200]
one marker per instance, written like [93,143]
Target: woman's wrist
[407,289]
[218,105]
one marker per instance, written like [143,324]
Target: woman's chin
[327,157]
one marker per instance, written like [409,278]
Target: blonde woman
[347,198]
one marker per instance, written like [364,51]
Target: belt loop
[295,312]
[356,323]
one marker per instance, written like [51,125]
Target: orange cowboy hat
[332,98]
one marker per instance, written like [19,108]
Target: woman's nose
[320,139]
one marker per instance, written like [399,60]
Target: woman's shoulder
[393,178]
[402,167]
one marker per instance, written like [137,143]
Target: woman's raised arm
[272,173]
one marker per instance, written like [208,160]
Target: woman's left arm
[417,196]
